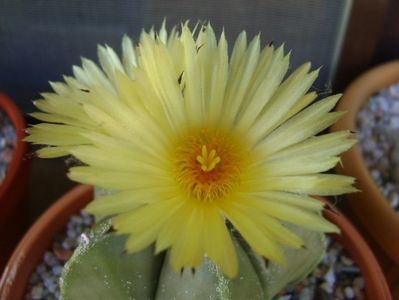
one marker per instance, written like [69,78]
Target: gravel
[7,144]
[378,134]
[336,277]
[43,283]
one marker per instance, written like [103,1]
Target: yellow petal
[242,72]
[284,98]
[117,180]
[311,220]
[318,184]
[270,225]
[218,243]
[124,201]
[294,166]
[326,145]
[52,152]
[188,249]
[275,73]
[296,200]
[259,241]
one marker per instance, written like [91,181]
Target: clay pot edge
[384,217]
[37,239]
[20,267]
[21,147]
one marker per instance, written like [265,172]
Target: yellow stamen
[208,161]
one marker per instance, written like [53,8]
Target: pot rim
[21,264]
[358,249]
[375,214]
[35,242]
[21,147]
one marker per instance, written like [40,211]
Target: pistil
[207,160]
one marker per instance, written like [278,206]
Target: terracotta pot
[375,284]
[38,239]
[368,208]
[13,188]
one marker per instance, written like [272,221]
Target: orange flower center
[209,164]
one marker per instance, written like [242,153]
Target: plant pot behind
[368,208]
[32,247]
[37,240]
[13,218]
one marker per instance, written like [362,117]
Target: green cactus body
[101,269]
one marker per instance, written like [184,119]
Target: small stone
[339,293]
[41,268]
[76,220]
[330,279]
[34,278]
[285,297]
[37,292]
[50,284]
[71,233]
[346,260]
[50,259]
[350,269]
[375,174]
[57,270]
[305,294]
[62,254]
[349,293]
[394,122]
[358,282]
[393,199]
[326,287]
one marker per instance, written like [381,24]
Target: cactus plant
[210,161]
[101,269]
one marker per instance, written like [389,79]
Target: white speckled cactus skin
[101,269]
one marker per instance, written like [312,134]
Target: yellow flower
[188,139]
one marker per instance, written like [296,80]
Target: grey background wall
[41,39]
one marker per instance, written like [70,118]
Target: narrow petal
[56,118]
[297,200]
[125,201]
[128,56]
[53,152]
[260,242]
[188,250]
[240,80]
[96,76]
[144,223]
[285,137]
[327,145]
[141,219]
[289,92]
[264,92]
[218,243]
[110,62]
[117,180]
[56,135]
[193,94]
[127,160]
[218,82]
[270,225]
[294,166]
[317,184]
[311,220]
[170,232]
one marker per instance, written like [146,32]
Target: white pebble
[349,292]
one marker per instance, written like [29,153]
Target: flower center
[208,164]
[208,161]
